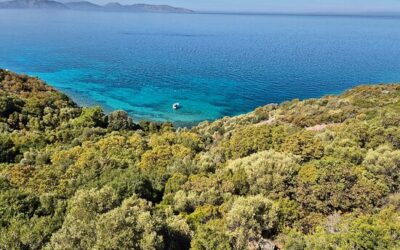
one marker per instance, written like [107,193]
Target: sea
[214,65]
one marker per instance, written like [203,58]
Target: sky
[358,6]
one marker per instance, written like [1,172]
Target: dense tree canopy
[314,174]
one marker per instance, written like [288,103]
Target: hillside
[31,4]
[313,174]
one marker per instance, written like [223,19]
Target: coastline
[85,103]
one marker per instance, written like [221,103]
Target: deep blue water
[214,65]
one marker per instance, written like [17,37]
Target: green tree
[269,172]
[212,235]
[119,120]
[385,163]
[79,228]
[251,218]
[7,152]
[90,117]
[130,226]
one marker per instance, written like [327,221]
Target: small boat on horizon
[176,106]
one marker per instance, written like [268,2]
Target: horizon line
[370,13]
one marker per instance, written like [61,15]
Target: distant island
[154,8]
[88,6]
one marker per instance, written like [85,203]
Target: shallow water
[214,65]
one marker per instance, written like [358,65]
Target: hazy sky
[277,5]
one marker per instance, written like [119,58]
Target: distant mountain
[113,6]
[146,8]
[84,5]
[32,4]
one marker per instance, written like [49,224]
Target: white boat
[176,106]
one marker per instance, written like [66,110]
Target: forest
[304,174]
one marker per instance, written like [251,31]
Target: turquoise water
[214,65]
